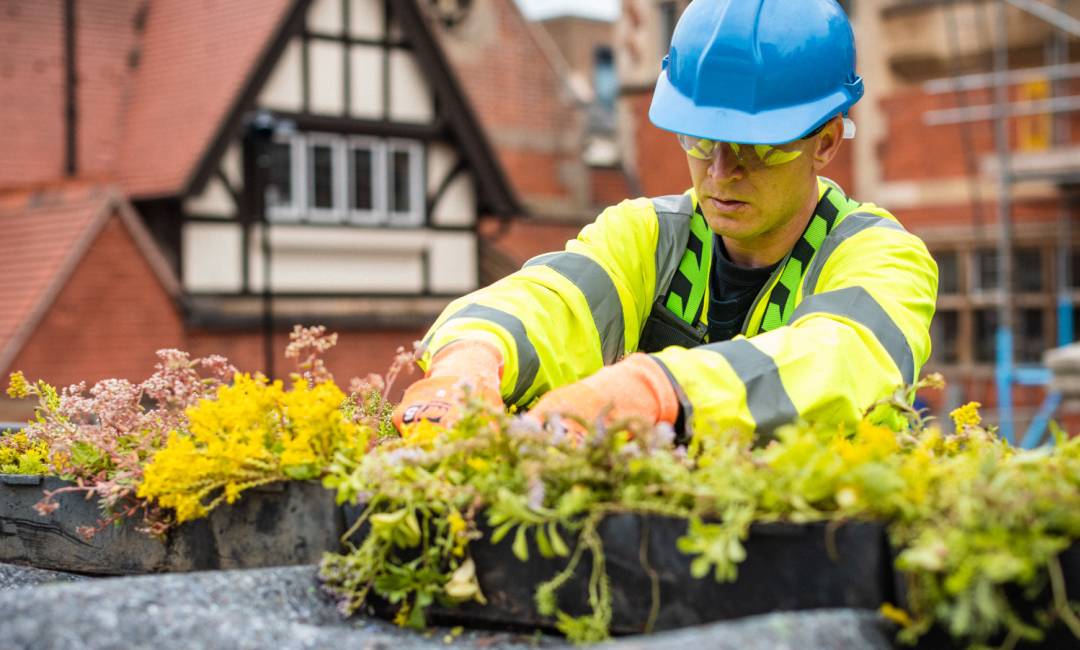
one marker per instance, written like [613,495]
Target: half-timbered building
[234,167]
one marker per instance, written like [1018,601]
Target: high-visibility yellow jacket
[841,323]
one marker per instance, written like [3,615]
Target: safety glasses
[754,156]
[751,156]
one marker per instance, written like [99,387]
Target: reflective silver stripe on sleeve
[673,215]
[683,434]
[857,304]
[852,225]
[768,400]
[528,360]
[599,290]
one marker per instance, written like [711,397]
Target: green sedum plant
[970,516]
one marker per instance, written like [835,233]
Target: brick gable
[107,321]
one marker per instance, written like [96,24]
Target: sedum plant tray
[787,567]
[280,524]
[1057,636]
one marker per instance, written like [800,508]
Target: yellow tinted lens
[765,155]
[699,148]
[770,156]
[703,149]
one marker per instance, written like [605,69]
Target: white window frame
[342,212]
[415,215]
[377,214]
[294,211]
[335,213]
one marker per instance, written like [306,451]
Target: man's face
[746,193]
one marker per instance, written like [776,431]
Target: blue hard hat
[757,71]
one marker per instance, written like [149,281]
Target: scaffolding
[1060,164]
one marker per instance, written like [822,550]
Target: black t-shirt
[732,290]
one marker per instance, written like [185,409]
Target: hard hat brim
[672,111]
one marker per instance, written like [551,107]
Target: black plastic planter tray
[1057,637]
[788,567]
[275,525]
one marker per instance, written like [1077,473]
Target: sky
[540,9]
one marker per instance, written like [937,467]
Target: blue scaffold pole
[1004,376]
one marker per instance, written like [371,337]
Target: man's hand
[637,387]
[440,396]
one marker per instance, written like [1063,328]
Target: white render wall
[366,19]
[212,261]
[317,260]
[326,77]
[452,262]
[366,82]
[351,260]
[283,90]
[441,158]
[410,95]
[457,207]
[324,17]
[215,201]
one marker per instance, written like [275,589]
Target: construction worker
[760,296]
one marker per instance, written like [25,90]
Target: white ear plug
[849,128]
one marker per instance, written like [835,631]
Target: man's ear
[828,142]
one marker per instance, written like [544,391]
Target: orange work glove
[637,386]
[439,397]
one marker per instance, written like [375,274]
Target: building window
[945,332]
[985,274]
[948,272]
[406,205]
[964,330]
[279,189]
[1074,269]
[365,181]
[324,175]
[1029,339]
[1027,270]
[986,335]
[605,79]
[328,178]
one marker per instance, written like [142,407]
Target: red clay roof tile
[42,230]
[195,60]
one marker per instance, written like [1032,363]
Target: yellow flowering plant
[20,455]
[251,433]
[208,434]
[99,438]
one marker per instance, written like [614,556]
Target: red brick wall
[913,151]
[660,161]
[608,186]
[534,173]
[520,99]
[964,213]
[31,91]
[108,320]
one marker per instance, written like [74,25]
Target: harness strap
[782,297]
[686,294]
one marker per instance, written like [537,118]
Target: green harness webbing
[685,296]
[686,293]
[782,298]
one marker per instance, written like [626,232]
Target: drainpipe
[70,82]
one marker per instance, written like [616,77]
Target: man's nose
[725,162]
